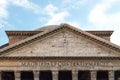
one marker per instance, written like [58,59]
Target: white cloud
[58,18]
[55,17]
[75,24]
[26,4]
[3,12]
[74,4]
[4,4]
[100,18]
[3,9]
[50,9]
[3,23]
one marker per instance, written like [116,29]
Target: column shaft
[0,75]
[75,75]
[55,75]
[36,75]
[17,75]
[93,75]
[111,75]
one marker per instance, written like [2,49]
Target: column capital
[55,74]
[93,75]
[111,75]
[36,74]
[17,75]
[17,71]
[0,75]
[75,70]
[75,74]
[55,71]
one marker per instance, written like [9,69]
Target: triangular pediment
[65,42]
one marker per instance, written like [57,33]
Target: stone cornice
[60,58]
[21,33]
[101,33]
[98,33]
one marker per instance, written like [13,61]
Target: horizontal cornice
[60,58]
[101,33]
[18,33]
[98,33]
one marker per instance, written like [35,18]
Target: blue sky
[83,14]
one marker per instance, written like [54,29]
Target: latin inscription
[62,64]
[59,64]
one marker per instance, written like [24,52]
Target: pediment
[63,43]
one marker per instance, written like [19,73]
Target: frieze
[58,64]
[62,64]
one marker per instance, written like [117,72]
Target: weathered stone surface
[60,65]
[63,43]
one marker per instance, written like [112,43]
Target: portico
[59,69]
